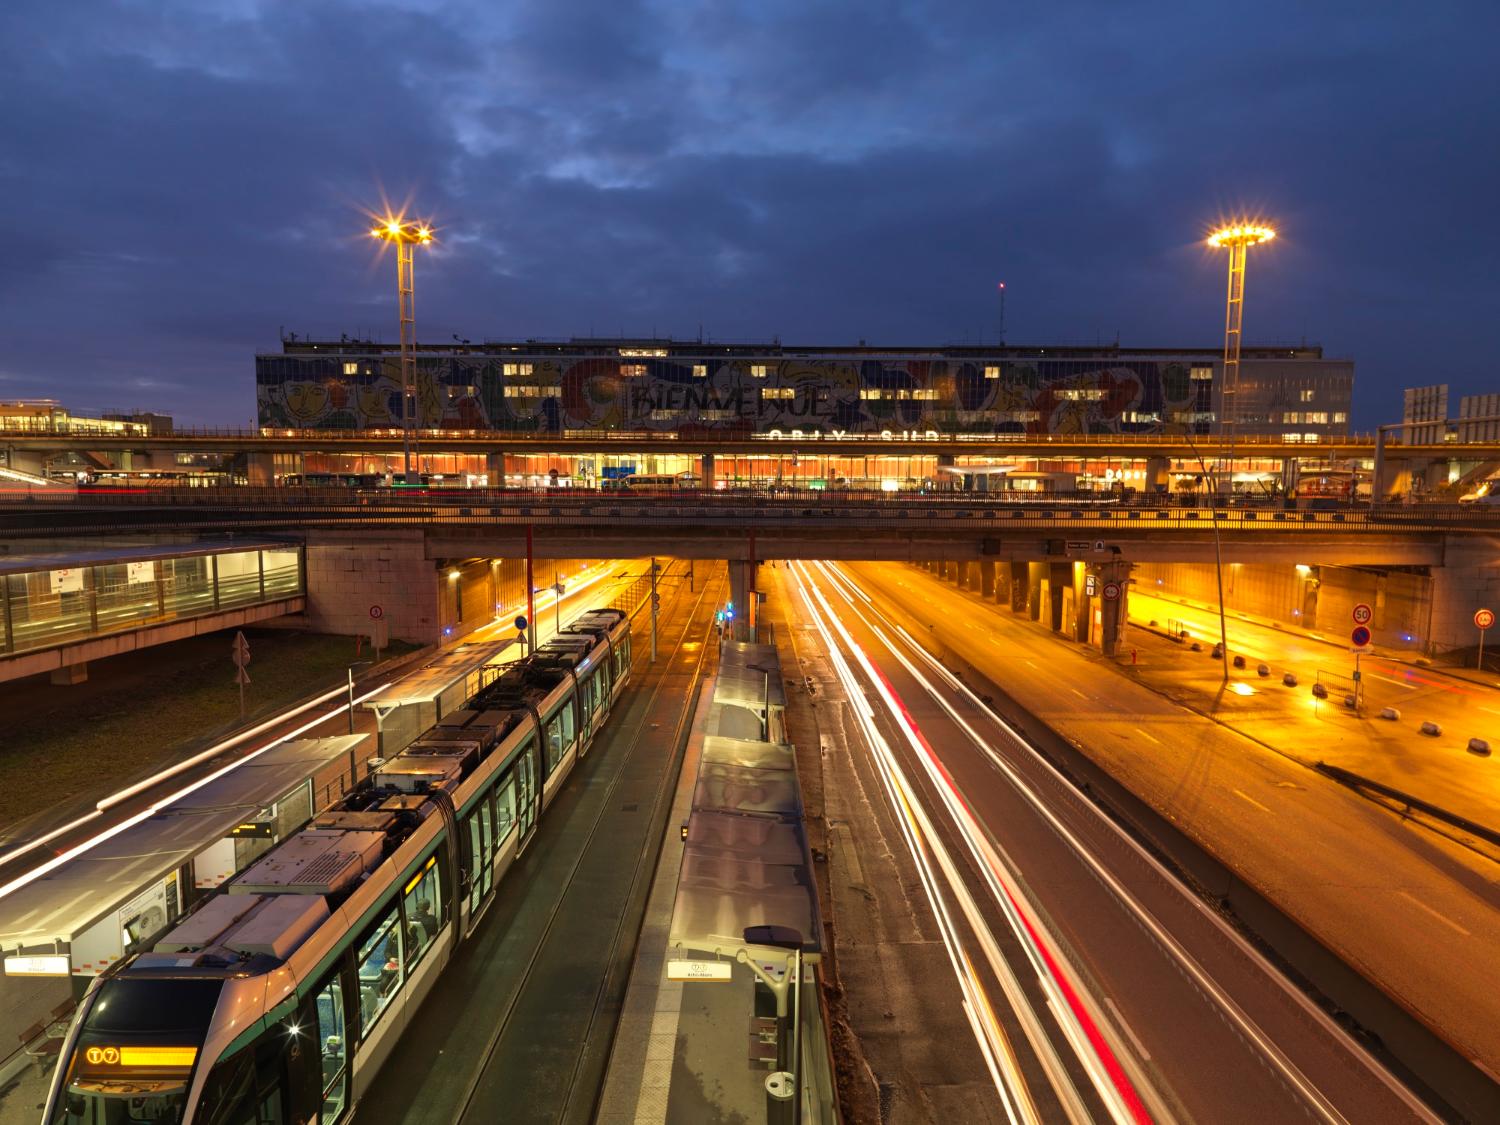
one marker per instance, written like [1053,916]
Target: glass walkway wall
[56,603]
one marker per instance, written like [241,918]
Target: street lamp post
[406,235]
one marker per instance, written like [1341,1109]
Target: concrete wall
[348,573]
[1469,580]
[1321,601]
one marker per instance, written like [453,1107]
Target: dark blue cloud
[181,182]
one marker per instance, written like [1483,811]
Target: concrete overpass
[429,558]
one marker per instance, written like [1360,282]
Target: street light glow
[1241,234]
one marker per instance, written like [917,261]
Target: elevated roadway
[574,524]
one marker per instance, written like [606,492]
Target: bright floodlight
[398,230]
[1241,234]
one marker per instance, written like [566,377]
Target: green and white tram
[277,999]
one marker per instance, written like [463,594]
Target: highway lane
[1394,752]
[1412,912]
[1190,1023]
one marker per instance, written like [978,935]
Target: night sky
[183,179]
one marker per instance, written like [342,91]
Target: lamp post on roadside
[350,673]
[405,235]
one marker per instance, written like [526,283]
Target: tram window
[505,808]
[379,969]
[329,1001]
[423,907]
[559,735]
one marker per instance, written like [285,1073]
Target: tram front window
[136,1052]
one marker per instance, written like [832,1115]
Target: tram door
[526,793]
[482,853]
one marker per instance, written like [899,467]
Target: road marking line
[1441,918]
[1390,680]
[1491,710]
[1140,1048]
[1152,737]
[1078,693]
[1252,800]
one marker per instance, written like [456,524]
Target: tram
[278,997]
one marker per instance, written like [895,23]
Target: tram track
[468,1108]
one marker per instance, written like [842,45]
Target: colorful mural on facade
[550,394]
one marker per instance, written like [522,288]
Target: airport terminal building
[591,385]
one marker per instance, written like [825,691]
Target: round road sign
[1484,618]
[1359,637]
[521,623]
[376,613]
[1111,591]
[1363,613]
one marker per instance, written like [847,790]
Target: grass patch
[140,711]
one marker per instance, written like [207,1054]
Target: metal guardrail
[1410,804]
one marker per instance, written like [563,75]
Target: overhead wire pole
[406,235]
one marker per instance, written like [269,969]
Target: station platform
[60,610]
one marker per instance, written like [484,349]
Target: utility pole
[1002,312]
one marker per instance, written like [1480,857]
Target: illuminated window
[1316,417]
[758,370]
[643,351]
[512,370]
[633,370]
[530,390]
[1202,373]
[1291,437]
[992,371]
[351,369]
[778,392]
[926,394]
[1339,417]
[700,371]
[1292,417]
[871,392]
[1307,396]
[1087,395]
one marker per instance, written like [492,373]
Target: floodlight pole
[406,295]
[1234,318]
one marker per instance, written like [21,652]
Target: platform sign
[717,971]
[1359,637]
[1363,614]
[1111,591]
[1078,544]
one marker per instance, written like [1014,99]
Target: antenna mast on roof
[1001,286]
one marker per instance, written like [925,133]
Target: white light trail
[1099,1060]
[1253,1034]
[114,830]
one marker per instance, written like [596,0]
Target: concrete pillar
[70,674]
[1059,579]
[1083,619]
[706,471]
[1036,573]
[1158,475]
[741,591]
[1115,613]
[987,578]
[946,479]
[494,467]
[1019,572]
[260,469]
